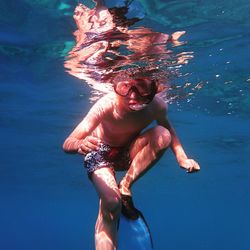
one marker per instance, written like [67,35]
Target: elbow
[65,146]
[68,146]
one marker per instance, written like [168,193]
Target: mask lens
[122,88]
[143,88]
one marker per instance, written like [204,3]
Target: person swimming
[115,136]
[112,122]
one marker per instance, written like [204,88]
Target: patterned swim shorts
[116,158]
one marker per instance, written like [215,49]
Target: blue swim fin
[134,234]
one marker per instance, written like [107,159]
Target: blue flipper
[134,234]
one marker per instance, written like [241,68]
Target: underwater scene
[58,57]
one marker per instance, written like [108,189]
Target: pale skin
[111,121]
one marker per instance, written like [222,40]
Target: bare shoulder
[104,104]
[159,106]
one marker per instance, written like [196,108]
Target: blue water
[47,201]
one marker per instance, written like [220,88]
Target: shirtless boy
[111,139]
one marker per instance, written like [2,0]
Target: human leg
[109,209]
[145,151]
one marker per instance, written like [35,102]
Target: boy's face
[136,93]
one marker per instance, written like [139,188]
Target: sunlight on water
[217,34]
[221,47]
[108,50]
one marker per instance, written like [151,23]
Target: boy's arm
[80,140]
[189,164]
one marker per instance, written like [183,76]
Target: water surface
[47,201]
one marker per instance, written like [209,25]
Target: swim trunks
[116,158]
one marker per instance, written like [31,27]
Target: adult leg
[109,209]
[145,151]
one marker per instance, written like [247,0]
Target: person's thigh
[155,136]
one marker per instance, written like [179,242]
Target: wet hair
[140,74]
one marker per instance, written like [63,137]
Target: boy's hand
[190,165]
[89,144]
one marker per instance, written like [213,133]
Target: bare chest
[124,129]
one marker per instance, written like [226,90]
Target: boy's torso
[116,130]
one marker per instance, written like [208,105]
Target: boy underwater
[114,136]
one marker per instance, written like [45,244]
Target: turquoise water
[47,201]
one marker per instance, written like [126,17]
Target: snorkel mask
[145,89]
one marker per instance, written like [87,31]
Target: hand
[89,144]
[190,165]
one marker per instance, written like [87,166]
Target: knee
[111,207]
[162,138]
